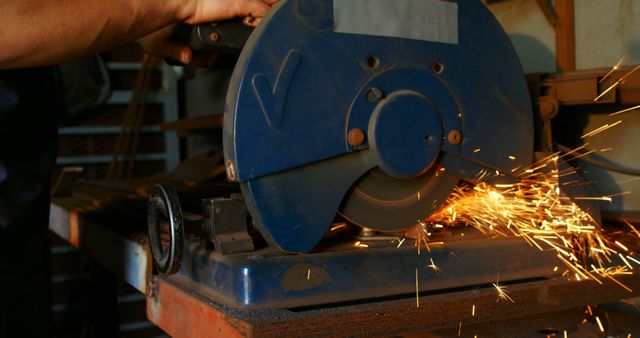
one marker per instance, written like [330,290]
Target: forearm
[36,32]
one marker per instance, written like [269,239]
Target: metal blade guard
[331,99]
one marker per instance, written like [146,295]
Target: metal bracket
[225,224]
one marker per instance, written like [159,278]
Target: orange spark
[501,290]
[536,210]
[625,110]
[417,290]
[633,260]
[339,226]
[621,246]
[620,193]
[599,324]
[601,129]
[615,84]
[613,69]
[635,231]
[433,265]
[601,198]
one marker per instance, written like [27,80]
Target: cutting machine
[363,112]
[354,106]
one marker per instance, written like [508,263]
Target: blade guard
[300,86]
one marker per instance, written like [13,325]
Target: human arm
[36,32]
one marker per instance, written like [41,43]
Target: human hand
[160,44]
[199,11]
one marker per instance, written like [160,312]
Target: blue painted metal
[293,209]
[268,279]
[299,87]
[407,144]
[403,80]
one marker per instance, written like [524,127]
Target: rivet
[355,137]
[231,171]
[454,137]
[374,94]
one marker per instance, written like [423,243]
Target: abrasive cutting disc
[381,202]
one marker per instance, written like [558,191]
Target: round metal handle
[164,206]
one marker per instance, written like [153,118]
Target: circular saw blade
[380,202]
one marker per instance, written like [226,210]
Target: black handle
[227,36]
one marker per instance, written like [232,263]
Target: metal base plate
[268,279]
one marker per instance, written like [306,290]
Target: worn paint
[295,277]
[186,314]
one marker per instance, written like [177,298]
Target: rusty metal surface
[181,311]
[184,313]
[565,36]
[548,11]
[267,279]
[582,87]
[126,256]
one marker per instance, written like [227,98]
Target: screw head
[438,67]
[355,137]
[214,36]
[231,171]
[454,137]
[373,62]
[548,107]
[374,94]
[152,289]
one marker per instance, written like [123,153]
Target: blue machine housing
[299,87]
[267,279]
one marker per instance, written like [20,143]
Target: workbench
[111,228]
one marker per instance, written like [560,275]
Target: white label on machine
[428,20]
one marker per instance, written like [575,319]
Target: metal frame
[183,308]
[582,86]
[551,92]
[181,311]
[167,96]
